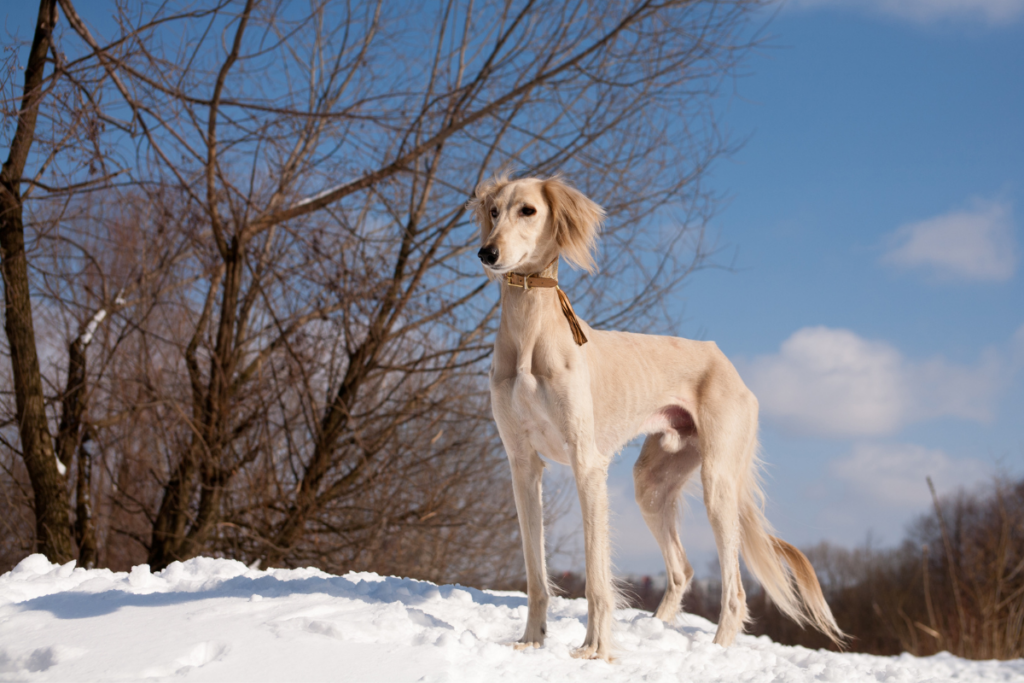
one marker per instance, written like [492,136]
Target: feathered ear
[576,220]
[479,205]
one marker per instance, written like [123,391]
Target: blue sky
[876,304]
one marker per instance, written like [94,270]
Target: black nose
[489,255]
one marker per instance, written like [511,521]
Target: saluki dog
[578,395]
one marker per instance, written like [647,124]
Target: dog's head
[525,224]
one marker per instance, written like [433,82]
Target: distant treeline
[956,583]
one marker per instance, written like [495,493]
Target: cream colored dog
[579,403]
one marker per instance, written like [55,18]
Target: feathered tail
[792,586]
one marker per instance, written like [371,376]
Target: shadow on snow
[409,592]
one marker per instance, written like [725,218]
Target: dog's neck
[528,317]
[528,312]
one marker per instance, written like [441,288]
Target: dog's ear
[576,220]
[479,204]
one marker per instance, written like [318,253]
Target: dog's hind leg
[527,473]
[658,479]
[728,439]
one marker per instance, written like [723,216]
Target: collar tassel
[570,315]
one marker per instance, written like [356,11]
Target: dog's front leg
[527,473]
[591,472]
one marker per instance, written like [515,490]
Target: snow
[94,323]
[318,195]
[218,620]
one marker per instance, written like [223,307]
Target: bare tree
[53,537]
[56,123]
[298,373]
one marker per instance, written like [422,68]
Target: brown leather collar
[528,282]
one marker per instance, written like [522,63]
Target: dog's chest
[534,415]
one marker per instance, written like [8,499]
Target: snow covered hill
[217,620]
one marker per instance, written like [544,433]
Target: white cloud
[832,382]
[992,12]
[894,474]
[971,245]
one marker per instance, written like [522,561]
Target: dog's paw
[520,645]
[667,614]
[591,652]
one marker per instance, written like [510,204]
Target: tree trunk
[178,534]
[173,515]
[53,530]
[85,528]
[73,435]
[69,433]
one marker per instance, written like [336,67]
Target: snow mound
[217,620]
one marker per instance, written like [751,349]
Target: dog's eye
[528,211]
[494,213]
